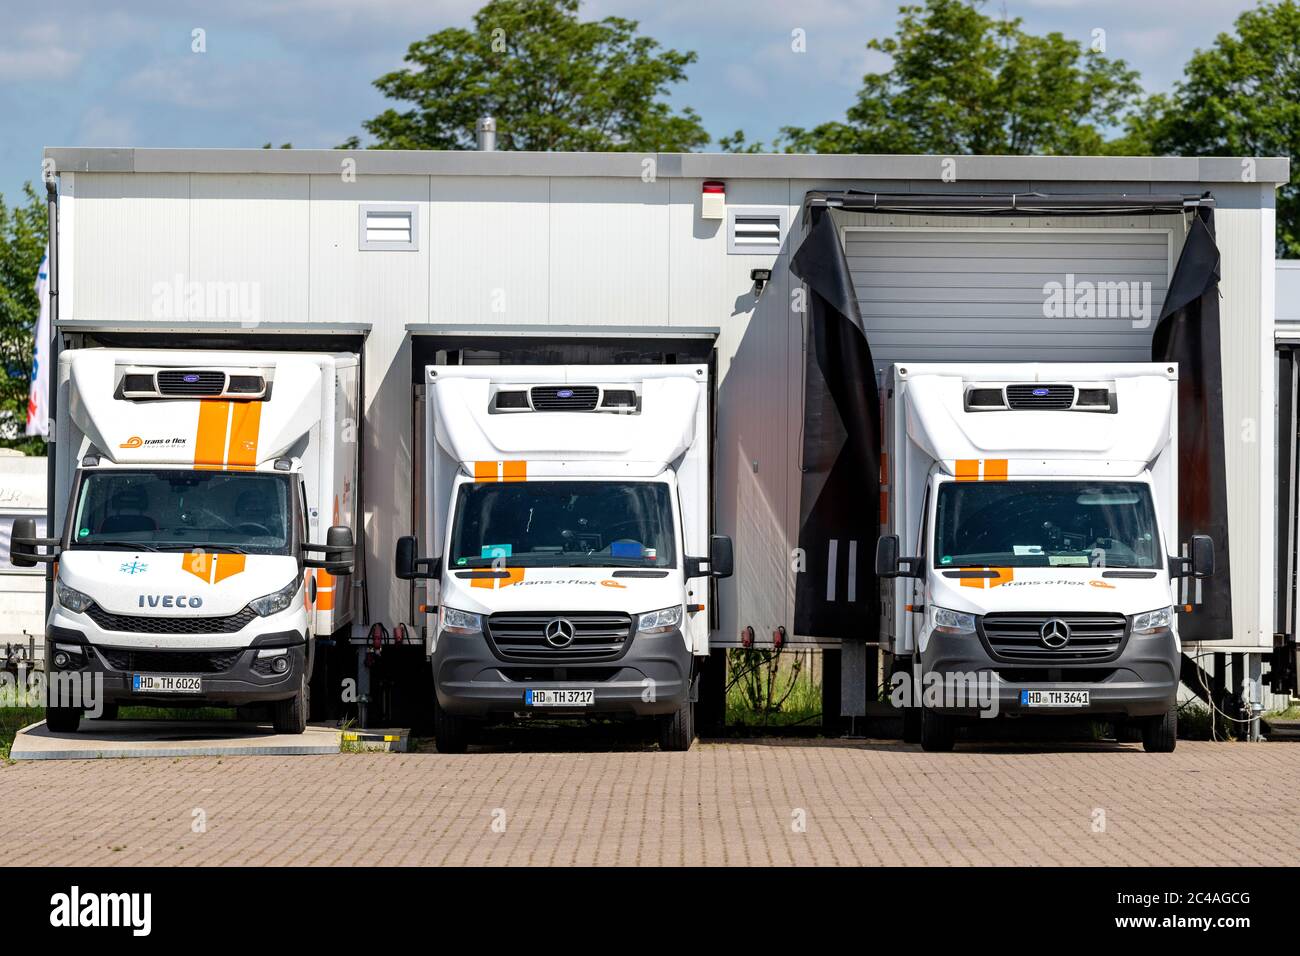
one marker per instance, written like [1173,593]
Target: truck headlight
[1150,622]
[453,621]
[661,621]
[269,604]
[951,622]
[71,598]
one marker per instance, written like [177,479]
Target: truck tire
[677,730]
[1160,734]
[938,731]
[63,720]
[450,733]
[290,716]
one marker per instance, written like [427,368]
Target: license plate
[166,684]
[559,698]
[1054,698]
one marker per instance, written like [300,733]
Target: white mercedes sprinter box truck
[195,488]
[569,538]
[1037,507]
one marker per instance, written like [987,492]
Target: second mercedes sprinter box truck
[568,536]
[1036,504]
[199,486]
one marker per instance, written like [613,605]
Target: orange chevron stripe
[210,439]
[245,422]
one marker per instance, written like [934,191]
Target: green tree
[1241,97]
[23,230]
[964,82]
[551,80]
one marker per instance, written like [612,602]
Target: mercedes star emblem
[559,633]
[1055,633]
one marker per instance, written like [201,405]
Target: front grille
[564,398]
[170,662]
[1018,637]
[537,673]
[183,383]
[1045,675]
[1052,397]
[170,625]
[597,636]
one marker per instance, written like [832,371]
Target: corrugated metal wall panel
[608,252]
[254,232]
[1247,424]
[132,234]
[490,250]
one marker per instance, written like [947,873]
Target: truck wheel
[290,716]
[938,731]
[450,733]
[1160,734]
[677,730]
[63,720]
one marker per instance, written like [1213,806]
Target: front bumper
[652,677]
[1142,681]
[230,676]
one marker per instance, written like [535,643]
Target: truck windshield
[179,510]
[565,524]
[1041,524]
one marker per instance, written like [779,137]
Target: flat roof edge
[1184,169]
[461,330]
[201,326]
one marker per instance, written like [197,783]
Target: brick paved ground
[722,803]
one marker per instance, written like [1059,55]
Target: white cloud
[101,127]
[36,52]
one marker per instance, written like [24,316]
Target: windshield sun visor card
[496,550]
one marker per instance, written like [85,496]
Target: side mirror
[408,566]
[338,547]
[24,530]
[722,560]
[887,556]
[888,561]
[1202,547]
[404,560]
[23,543]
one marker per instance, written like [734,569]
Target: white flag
[38,414]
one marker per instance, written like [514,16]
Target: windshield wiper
[206,548]
[130,545]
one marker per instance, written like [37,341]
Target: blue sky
[103,73]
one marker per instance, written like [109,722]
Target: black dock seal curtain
[839,502]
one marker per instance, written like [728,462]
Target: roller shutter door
[949,295]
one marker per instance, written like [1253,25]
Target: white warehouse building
[418,258]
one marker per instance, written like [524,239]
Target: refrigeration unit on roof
[138,383]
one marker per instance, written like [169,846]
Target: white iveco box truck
[568,521]
[1038,506]
[194,484]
